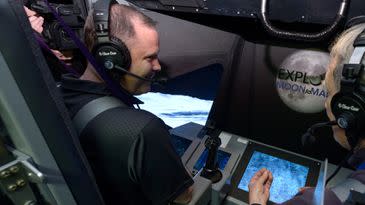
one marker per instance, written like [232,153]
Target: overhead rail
[302,36]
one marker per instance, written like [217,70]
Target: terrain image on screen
[288,176]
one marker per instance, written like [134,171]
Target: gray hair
[121,24]
[342,49]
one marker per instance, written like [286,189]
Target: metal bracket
[15,177]
[33,174]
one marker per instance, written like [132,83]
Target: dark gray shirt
[130,150]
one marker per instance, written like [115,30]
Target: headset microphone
[159,81]
[308,138]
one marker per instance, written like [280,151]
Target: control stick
[210,170]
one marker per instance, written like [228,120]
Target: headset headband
[101,17]
[352,70]
[354,21]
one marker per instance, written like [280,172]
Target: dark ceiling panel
[306,11]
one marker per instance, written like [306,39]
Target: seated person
[60,62]
[340,53]
[129,150]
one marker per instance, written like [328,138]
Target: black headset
[109,51]
[348,105]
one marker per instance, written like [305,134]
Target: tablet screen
[288,176]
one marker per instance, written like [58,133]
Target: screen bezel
[313,172]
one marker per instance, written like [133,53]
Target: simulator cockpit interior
[182,102]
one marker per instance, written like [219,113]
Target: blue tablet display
[288,176]
[222,158]
[180,144]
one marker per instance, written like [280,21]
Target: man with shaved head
[129,149]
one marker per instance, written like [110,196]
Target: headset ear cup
[112,52]
[335,101]
[349,111]
[125,57]
[355,21]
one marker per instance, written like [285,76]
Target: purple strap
[115,88]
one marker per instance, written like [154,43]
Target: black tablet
[290,172]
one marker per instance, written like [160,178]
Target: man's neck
[91,75]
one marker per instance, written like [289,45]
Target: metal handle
[301,36]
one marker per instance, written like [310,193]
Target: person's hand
[35,21]
[303,189]
[62,56]
[259,187]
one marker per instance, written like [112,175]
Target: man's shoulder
[133,114]
[127,118]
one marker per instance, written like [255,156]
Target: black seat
[21,55]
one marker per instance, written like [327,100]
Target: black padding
[28,67]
